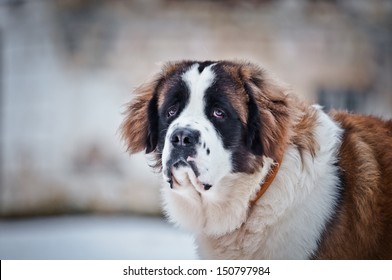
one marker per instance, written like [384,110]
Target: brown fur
[362,228]
[304,129]
[270,97]
[134,127]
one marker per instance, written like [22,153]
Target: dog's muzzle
[184,142]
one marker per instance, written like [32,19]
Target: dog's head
[206,120]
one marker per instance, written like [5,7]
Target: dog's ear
[268,113]
[139,129]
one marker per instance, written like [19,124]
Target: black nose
[184,137]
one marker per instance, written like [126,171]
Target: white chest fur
[288,220]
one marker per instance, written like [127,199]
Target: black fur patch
[152,129]
[203,65]
[230,127]
[177,94]
[253,140]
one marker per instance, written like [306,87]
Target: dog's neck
[267,182]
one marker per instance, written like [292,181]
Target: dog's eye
[172,111]
[218,113]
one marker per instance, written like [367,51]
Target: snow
[94,237]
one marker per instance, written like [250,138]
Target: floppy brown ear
[268,117]
[139,129]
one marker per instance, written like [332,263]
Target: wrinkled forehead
[197,79]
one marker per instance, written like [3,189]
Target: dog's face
[201,133]
[196,144]
[207,120]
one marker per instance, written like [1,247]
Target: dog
[255,173]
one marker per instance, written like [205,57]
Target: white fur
[218,211]
[289,218]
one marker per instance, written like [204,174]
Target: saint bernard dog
[255,173]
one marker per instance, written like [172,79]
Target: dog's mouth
[185,171]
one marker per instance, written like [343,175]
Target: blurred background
[67,67]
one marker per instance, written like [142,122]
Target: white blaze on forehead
[197,83]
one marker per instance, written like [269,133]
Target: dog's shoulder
[367,140]
[363,220]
